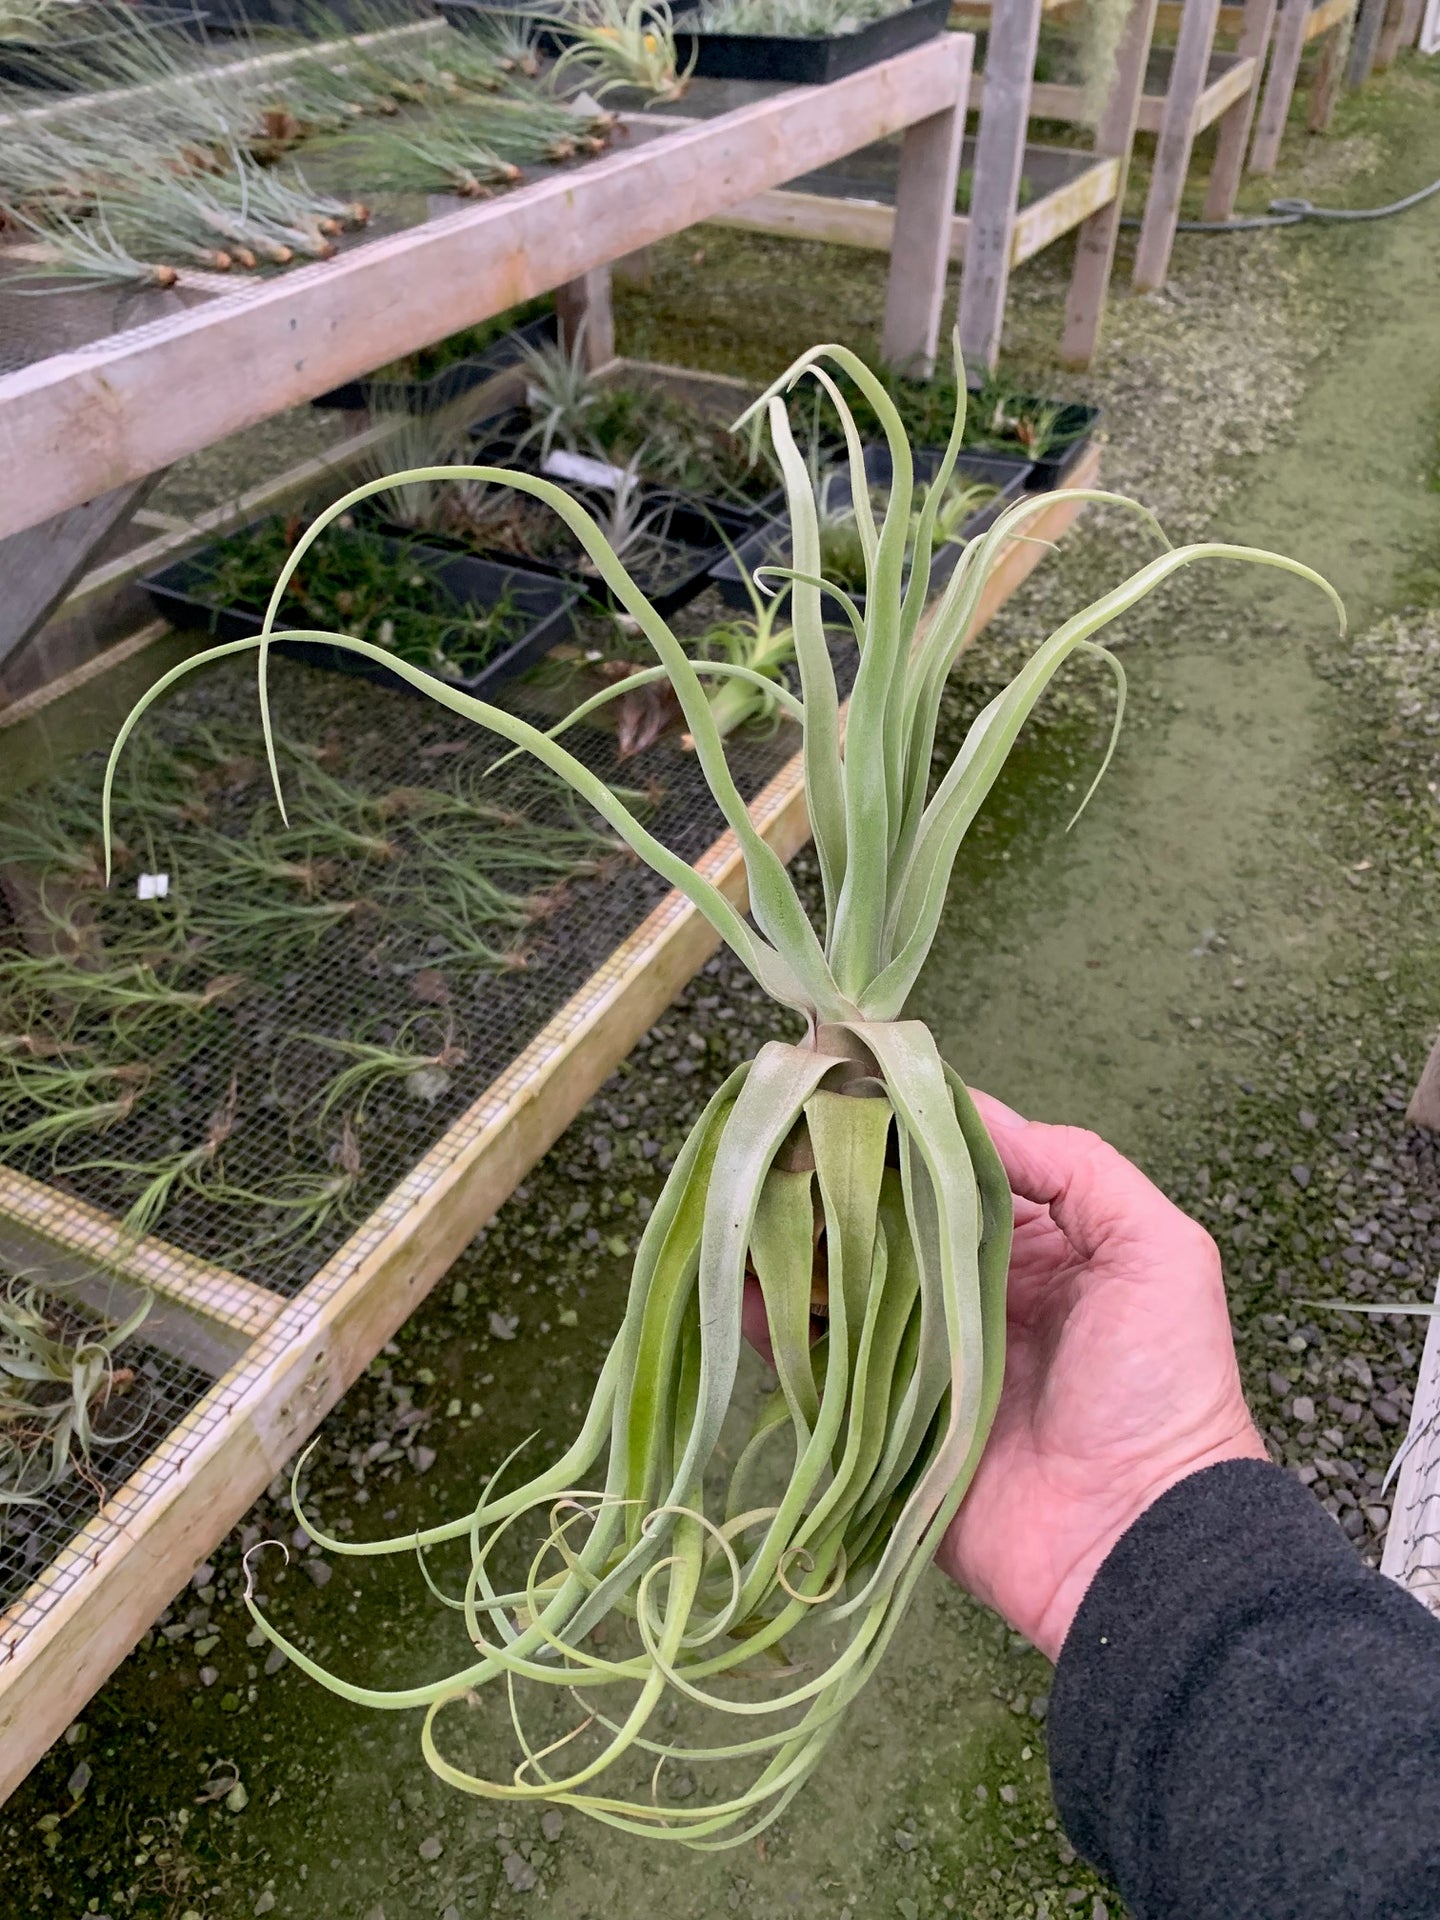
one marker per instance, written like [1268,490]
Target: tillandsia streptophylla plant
[848,1169]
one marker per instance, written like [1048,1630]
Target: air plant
[803,19]
[438,157]
[187,1168]
[88,253]
[851,1166]
[625,43]
[59,1389]
[1102,28]
[377,1064]
[561,392]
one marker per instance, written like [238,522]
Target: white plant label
[562,465]
[152,886]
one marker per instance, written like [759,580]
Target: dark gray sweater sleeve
[1245,1721]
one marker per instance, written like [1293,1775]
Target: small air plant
[187,1169]
[87,252]
[63,1398]
[438,157]
[625,43]
[800,19]
[764,1582]
[301,1206]
[561,392]
[380,1064]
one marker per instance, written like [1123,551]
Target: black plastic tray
[811,60]
[450,383]
[1076,419]
[178,594]
[771,542]
[696,527]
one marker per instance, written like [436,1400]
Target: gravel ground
[1229,969]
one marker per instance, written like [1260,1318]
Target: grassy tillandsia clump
[799,19]
[650,1597]
[63,1398]
[625,43]
[367,587]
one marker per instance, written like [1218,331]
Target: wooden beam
[587,316]
[844,222]
[61,1640]
[1368,23]
[1391,33]
[1095,244]
[75,1227]
[1325,93]
[1235,124]
[1290,36]
[99,416]
[1413,21]
[1175,145]
[920,246]
[40,565]
[994,196]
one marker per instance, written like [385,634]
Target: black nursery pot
[770,544]
[450,383]
[1074,430]
[547,607]
[811,59]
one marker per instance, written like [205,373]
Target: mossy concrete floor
[1230,966]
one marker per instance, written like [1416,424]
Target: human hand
[1120,1375]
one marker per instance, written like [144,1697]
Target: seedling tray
[450,383]
[771,542]
[548,605]
[810,60]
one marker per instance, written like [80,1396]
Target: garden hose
[1291,213]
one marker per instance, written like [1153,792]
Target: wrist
[1121,1513]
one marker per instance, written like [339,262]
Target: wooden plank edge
[29,704]
[94,1235]
[229,1448]
[1055,214]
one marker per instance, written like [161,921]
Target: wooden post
[1095,242]
[1411,24]
[1279,88]
[1388,45]
[999,161]
[1424,1108]
[40,566]
[1326,90]
[1368,23]
[1236,121]
[587,316]
[924,210]
[1177,138]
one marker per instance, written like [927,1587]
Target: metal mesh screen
[259,1052]
[150,1394]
